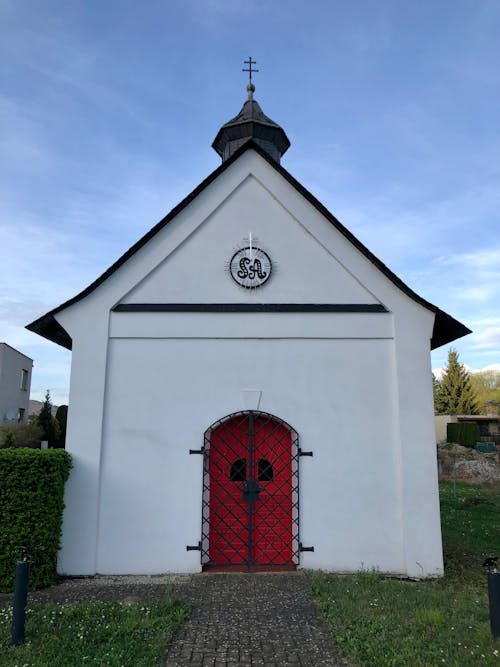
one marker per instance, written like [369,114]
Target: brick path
[250,619]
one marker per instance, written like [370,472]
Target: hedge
[31,507]
[463,433]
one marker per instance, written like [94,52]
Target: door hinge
[197,451]
[302,453]
[193,548]
[301,548]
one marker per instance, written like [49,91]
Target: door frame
[205,514]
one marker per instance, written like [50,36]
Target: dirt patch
[468,465]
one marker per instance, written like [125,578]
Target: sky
[109,109]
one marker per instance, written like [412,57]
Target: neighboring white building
[248,329]
[15,384]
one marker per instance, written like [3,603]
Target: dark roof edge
[446,328]
[48,327]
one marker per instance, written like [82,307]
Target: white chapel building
[250,389]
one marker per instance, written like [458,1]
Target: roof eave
[48,327]
[446,329]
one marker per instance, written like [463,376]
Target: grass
[376,622]
[381,622]
[108,634]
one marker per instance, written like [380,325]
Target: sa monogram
[250,267]
[251,270]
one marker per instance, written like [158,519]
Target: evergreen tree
[439,405]
[456,391]
[49,426]
[62,418]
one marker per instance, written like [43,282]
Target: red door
[251,494]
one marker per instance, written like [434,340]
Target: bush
[31,506]
[20,435]
[463,433]
[452,432]
[470,434]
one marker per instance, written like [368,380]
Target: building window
[24,379]
[20,415]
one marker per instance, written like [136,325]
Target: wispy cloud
[487,338]
[438,372]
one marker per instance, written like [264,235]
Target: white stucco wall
[343,411]
[144,387]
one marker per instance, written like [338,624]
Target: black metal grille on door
[250,516]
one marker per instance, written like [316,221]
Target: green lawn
[380,622]
[108,634]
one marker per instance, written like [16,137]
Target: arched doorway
[250,494]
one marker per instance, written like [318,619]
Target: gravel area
[130,588]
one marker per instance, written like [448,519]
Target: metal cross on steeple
[250,62]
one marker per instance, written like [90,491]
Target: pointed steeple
[251,123]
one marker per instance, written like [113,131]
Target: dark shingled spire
[251,123]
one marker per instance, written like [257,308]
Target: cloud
[490,367]
[487,338]
[483,258]
[438,372]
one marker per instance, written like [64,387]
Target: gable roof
[446,328]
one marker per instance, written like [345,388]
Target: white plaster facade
[145,386]
[15,384]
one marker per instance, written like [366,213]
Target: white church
[250,389]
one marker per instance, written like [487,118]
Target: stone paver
[250,619]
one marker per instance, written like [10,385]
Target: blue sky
[109,110]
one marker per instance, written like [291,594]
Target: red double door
[252,490]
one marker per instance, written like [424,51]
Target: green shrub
[463,433]
[23,434]
[452,432]
[469,434]
[8,438]
[31,506]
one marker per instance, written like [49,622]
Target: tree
[439,405]
[487,386]
[456,391]
[62,418]
[48,424]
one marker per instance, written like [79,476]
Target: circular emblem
[250,267]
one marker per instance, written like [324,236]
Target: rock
[468,465]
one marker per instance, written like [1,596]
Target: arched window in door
[238,471]
[265,471]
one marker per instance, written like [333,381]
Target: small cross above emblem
[250,62]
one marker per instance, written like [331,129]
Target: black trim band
[250,308]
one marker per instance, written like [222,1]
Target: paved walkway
[250,619]
[236,619]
